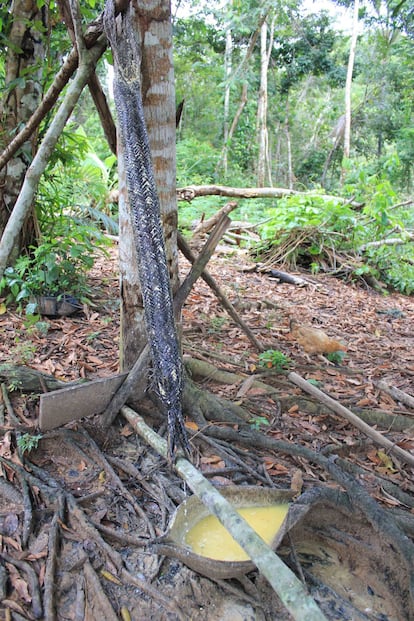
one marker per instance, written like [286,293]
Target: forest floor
[79,511]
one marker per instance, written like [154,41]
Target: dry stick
[73,23]
[206,276]
[192,191]
[200,263]
[140,366]
[352,418]
[216,445]
[133,472]
[126,388]
[160,496]
[281,578]
[206,225]
[396,393]
[104,111]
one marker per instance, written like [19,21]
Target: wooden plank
[74,402]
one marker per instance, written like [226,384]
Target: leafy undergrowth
[79,507]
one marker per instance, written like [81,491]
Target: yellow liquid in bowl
[209,537]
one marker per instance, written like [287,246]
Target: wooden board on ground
[74,402]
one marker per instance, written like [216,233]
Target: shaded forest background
[261,91]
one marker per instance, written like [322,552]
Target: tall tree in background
[263,164]
[227,76]
[348,85]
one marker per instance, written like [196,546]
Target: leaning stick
[141,364]
[206,276]
[352,418]
[283,581]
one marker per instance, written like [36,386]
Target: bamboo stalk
[283,581]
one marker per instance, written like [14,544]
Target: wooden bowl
[192,510]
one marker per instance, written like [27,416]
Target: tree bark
[153,26]
[348,85]
[227,73]
[262,131]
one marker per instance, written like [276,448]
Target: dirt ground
[79,513]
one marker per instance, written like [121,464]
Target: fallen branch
[390,241]
[285,277]
[193,191]
[198,266]
[396,393]
[281,578]
[336,407]
[206,225]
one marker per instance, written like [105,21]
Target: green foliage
[306,52]
[256,422]
[306,79]
[76,184]
[273,358]
[336,356]
[216,324]
[196,165]
[27,442]
[57,266]
[196,162]
[22,352]
[318,232]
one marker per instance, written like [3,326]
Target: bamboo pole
[283,581]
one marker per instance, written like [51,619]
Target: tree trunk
[153,26]
[348,85]
[290,174]
[262,131]
[24,60]
[227,74]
